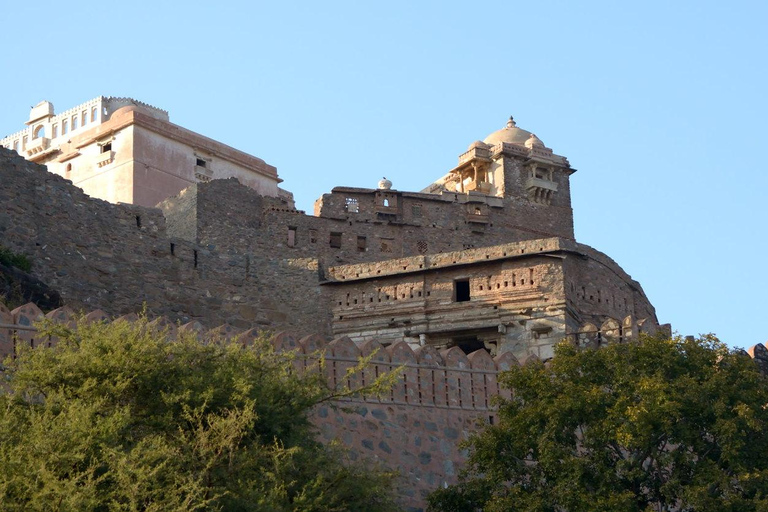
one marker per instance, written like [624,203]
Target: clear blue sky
[661,106]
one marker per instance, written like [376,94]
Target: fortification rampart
[118,257]
[354,225]
[221,253]
[439,400]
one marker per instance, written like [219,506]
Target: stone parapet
[440,398]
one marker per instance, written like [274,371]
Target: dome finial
[385,184]
[511,123]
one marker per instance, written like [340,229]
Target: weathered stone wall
[414,428]
[231,255]
[507,300]
[555,218]
[522,297]
[117,257]
[412,223]
[602,294]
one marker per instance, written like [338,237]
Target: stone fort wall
[415,428]
[525,297]
[439,400]
[221,253]
[118,257]
[351,225]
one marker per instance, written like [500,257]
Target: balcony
[37,146]
[475,151]
[477,218]
[540,190]
[479,186]
[105,158]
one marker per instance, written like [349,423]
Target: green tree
[121,418]
[663,424]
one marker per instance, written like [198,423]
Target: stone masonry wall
[118,257]
[415,428]
[524,297]
[227,214]
[229,255]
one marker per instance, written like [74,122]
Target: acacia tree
[663,424]
[118,417]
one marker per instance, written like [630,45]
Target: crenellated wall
[416,427]
[440,398]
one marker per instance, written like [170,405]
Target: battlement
[73,120]
[445,379]
[448,378]
[113,103]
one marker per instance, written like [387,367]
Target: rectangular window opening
[335,240]
[291,237]
[461,290]
[200,162]
[361,241]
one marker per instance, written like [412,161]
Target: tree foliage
[664,424]
[119,418]
[12,259]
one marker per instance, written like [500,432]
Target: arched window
[54,131]
[74,122]
[68,171]
[39,132]
[93,115]
[64,127]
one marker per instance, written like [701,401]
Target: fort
[476,272]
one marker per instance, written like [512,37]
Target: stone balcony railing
[478,218]
[38,145]
[474,153]
[105,158]
[479,186]
[540,183]
[540,190]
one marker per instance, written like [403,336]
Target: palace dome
[510,134]
[534,142]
